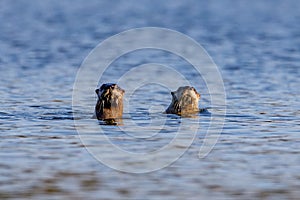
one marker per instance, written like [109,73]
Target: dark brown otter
[184,101]
[110,102]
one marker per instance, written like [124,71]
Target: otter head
[110,101]
[184,101]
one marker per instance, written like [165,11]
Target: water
[254,44]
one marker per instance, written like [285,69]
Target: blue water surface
[255,45]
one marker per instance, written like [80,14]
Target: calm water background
[256,45]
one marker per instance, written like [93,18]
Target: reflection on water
[255,45]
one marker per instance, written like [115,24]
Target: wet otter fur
[184,101]
[110,102]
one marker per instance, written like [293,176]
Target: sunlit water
[256,46]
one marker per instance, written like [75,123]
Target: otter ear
[97,90]
[172,93]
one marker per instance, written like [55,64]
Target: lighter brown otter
[110,102]
[184,101]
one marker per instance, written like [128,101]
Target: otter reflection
[114,122]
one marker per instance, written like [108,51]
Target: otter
[184,101]
[110,102]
